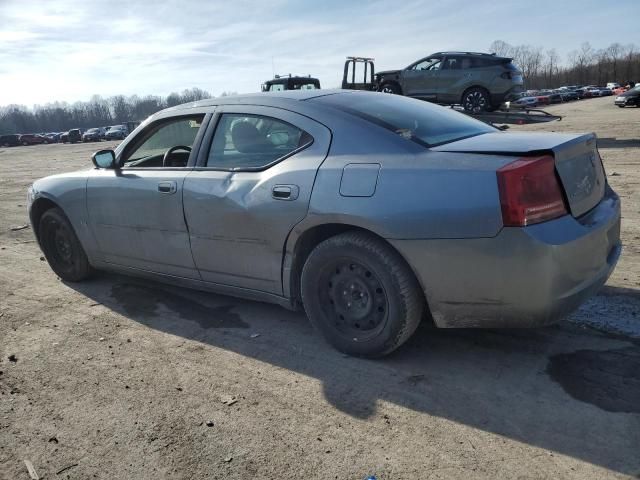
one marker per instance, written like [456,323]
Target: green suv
[477,81]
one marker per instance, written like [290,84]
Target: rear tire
[61,247]
[361,295]
[476,100]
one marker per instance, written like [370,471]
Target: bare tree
[614,51]
[501,48]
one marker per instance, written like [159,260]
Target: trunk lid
[576,157]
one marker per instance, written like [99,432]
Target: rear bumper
[523,277]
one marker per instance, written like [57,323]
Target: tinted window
[157,141]
[253,141]
[452,63]
[415,120]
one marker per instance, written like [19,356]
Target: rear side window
[253,142]
[416,120]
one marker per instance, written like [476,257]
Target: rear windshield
[422,122]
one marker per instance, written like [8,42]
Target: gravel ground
[117,378]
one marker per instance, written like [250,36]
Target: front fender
[68,192]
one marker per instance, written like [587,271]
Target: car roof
[260,98]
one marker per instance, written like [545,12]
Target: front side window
[428,64]
[276,87]
[168,144]
[243,141]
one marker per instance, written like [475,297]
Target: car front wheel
[361,295]
[476,100]
[391,88]
[61,247]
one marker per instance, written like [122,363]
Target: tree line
[97,112]
[584,66]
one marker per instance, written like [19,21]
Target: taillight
[530,191]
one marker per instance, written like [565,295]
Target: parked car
[9,140]
[619,90]
[581,92]
[359,206]
[554,97]
[629,98]
[52,137]
[477,81]
[32,139]
[605,92]
[543,99]
[568,95]
[117,132]
[93,135]
[526,102]
[613,85]
[72,136]
[280,83]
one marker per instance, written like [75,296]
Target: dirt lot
[117,378]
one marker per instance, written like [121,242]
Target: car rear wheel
[391,88]
[476,100]
[361,295]
[61,247]
[25,144]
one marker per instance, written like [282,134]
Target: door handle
[285,192]
[168,187]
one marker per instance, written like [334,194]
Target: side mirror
[104,159]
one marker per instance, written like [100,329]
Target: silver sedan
[371,211]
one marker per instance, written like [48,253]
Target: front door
[421,79]
[252,186]
[136,212]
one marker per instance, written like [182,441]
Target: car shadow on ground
[560,388]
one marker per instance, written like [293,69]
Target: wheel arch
[39,206]
[299,248]
[391,81]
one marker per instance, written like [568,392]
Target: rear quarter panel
[419,193]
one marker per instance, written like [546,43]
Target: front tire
[392,88]
[61,246]
[476,100]
[361,295]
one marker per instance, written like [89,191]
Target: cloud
[69,50]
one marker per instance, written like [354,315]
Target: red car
[32,139]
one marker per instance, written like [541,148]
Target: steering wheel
[167,154]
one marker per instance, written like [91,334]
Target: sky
[62,50]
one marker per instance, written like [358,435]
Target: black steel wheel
[476,100]
[61,247]
[361,295]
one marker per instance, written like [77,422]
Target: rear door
[252,186]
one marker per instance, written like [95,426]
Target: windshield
[415,120]
[92,130]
